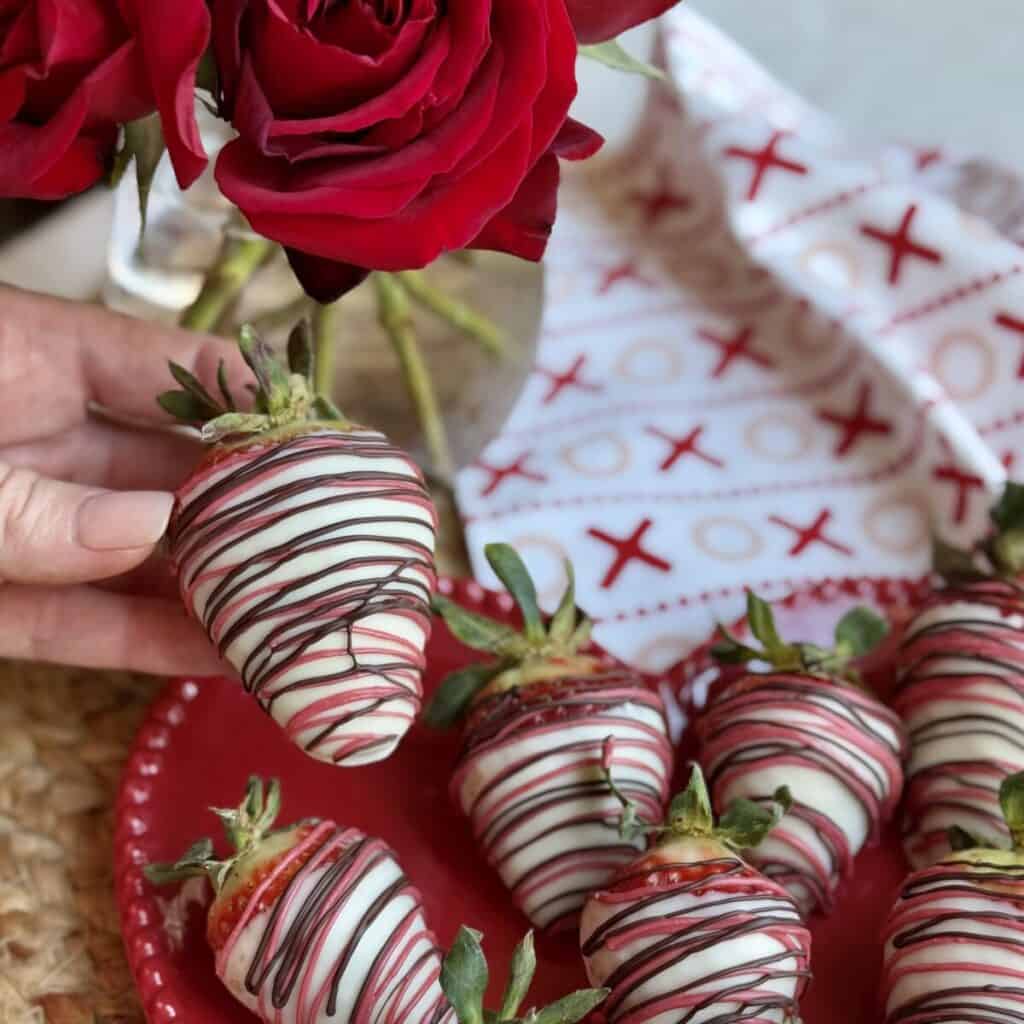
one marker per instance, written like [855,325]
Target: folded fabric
[769,357]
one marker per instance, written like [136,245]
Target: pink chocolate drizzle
[730,900]
[843,732]
[238,500]
[962,791]
[540,716]
[948,912]
[400,984]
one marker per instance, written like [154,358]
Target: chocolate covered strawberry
[961,689]
[954,944]
[314,922]
[529,775]
[806,724]
[304,544]
[691,932]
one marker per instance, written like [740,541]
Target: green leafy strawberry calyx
[858,633]
[998,555]
[540,651]
[464,978]
[1011,801]
[245,826]
[285,400]
[745,824]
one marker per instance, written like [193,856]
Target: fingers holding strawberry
[529,777]
[807,725]
[304,544]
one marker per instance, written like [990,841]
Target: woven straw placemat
[64,735]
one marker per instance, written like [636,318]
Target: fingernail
[121,520]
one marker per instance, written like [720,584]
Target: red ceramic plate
[203,739]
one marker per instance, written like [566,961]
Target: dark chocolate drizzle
[398,580]
[722,914]
[996,893]
[291,938]
[868,753]
[990,648]
[541,714]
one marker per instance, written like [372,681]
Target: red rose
[378,134]
[70,73]
[598,20]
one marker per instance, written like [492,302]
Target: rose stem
[461,316]
[395,317]
[239,258]
[325,330]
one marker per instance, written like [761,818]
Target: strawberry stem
[285,397]
[744,825]
[245,826]
[464,978]
[1011,800]
[858,633]
[536,653]
[998,555]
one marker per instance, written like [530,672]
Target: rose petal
[598,20]
[174,37]
[324,280]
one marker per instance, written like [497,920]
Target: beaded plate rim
[145,944]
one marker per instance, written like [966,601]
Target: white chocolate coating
[534,792]
[310,564]
[345,942]
[954,947]
[961,695]
[714,942]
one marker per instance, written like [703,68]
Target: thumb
[53,532]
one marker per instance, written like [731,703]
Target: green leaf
[464,977]
[182,406]
[731,651]
[191,386]
[614,55]
[476,631]
[524,966]
[273,379]
[860,631]
[563,622]
[143,143]
[746,823]
[1007,551]
[225,389]
[762,623]
[509,568]
[300,351]
[960,840]
[1008,512]
[197,860]
[581,635]
[456,693]
[954,564]
[1011,800]
[572,1008]
[690,811]
[233,423]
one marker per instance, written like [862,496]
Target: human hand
[83,502]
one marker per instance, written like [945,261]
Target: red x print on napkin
[854,425]
[813,534]
[499,474]
[681,446]
[567,379]
[629,549]
[1012,323]
[764,159]
[901,244]
[736,347]
[963,482]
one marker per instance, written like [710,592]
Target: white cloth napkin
[769,357]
